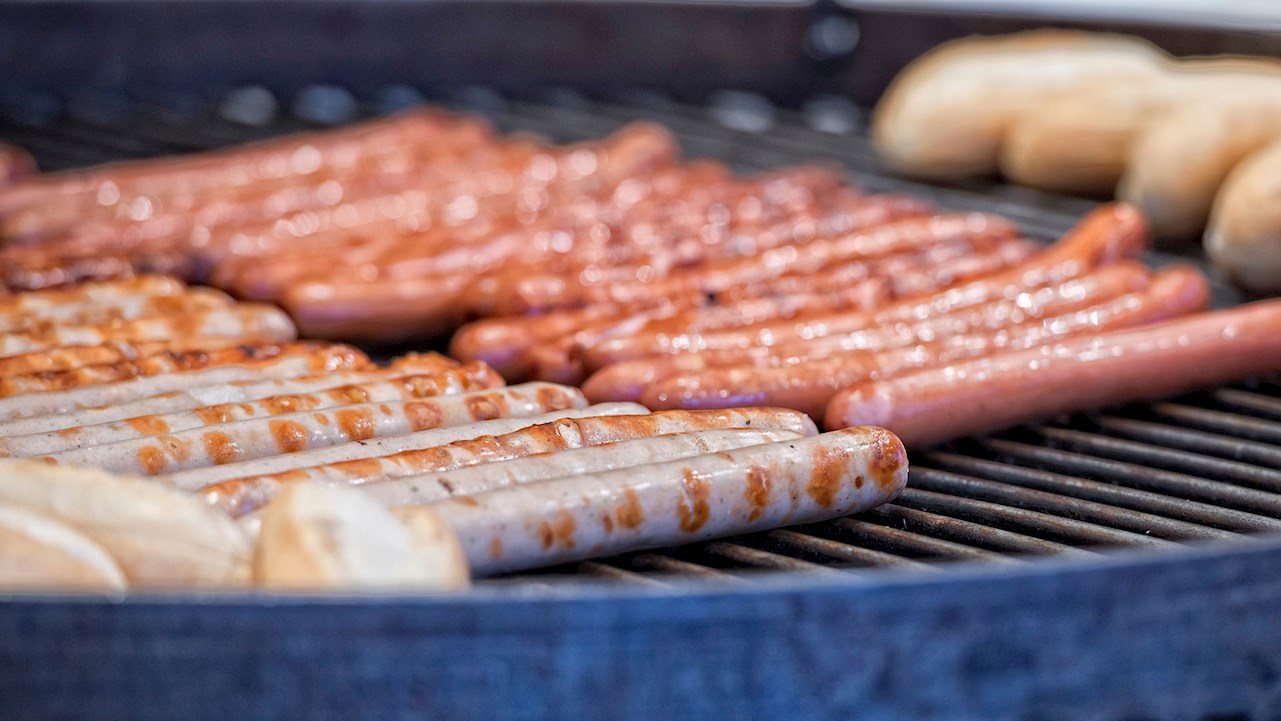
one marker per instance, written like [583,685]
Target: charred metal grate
[1202,468]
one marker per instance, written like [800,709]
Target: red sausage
[987,394]
[1107,234]
[808,383]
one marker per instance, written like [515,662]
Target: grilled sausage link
[375,447]
[991,393]
[285,362]
[248,323]
[256,387]
[115,311]
[680,501]
[474,378]
[90,295]
[1108,234]
[431,487]
[293,432]
[244,494]
[808,383]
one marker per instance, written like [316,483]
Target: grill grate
[1202,468]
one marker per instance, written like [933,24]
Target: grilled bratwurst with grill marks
[244,494]
[294,432]
[680,501]
[375,447]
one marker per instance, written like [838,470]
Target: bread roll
[1244,235]
[38,553]
[1081,142]
[946,115]
[158,535]
[436,545]
[1179,161]
[315,538]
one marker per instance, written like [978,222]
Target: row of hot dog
[523,476]
[960,353]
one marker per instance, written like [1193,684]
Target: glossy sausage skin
[114,311]
[632,379]
[308,359]
[988,394]
[1108,234]
[79,357]
[674,502]
[211,392]
[305,430]
[431,487]
[375,447]
[808,383]
[248,323]
[92,295]
[244,493]
[399,389]
[878,233]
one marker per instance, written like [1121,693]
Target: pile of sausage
[152,378]
[409,225]
[1021,334]
[616,266]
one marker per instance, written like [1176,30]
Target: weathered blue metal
[1190,635]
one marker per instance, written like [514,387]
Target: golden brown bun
[317,538]
[1082,142]
[39,553]
[1178,162]
[946,115]
[159,536]
[1244,235]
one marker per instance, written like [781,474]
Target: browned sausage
[808,383]
[244,494]
[373,448]
[109,354]
[474,377]
[674,502]
[115,311]
[988,394]
[246,322]
[92,294]
[294,432]
[289,361]
[49,203]
[211,392]
[1107,234]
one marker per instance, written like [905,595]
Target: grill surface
[1094,567]
[1204,468]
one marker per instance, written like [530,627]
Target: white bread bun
[38,553]
[1244,235]
[159,535]
[1178,163]
[316,538]
[947,113]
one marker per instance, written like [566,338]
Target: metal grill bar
[1201,469]
[1179,485]
[1198,441]
[1066,506]
[1203,514]
[899,541]
[1243,427]
[1243,473]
